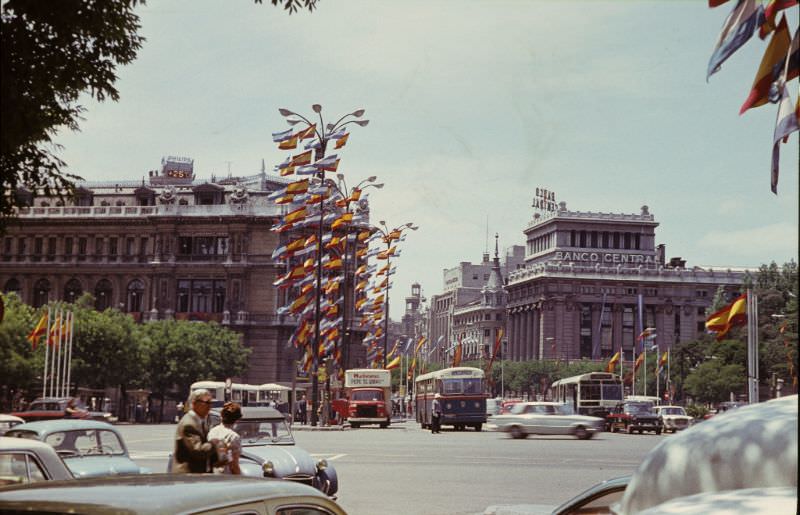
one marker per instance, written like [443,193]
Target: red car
[49,408]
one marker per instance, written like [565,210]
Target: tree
[18,364]
[714,381]
[52,53]
[178,353]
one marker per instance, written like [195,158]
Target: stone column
[536,315]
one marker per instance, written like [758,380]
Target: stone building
[169,247]
[578,294]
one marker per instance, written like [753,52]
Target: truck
[368,392]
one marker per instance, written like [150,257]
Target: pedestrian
[230,443]
[303,410]
[436,414]
[193,451]
[71,411]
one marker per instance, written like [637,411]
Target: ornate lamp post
[322,134]
[388,237]
[346,197]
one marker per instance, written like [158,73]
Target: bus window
[590,392]
[472,386]
[612,392]
[451,386]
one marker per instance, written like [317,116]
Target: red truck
[368,393]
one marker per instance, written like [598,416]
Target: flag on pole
[638,363]
[662,362]
[738,28]
[394,363]
[731,315]
[38,331]
[786,123]
[771,13]
[770,69]
[457,354]
[612,363]
[647,334]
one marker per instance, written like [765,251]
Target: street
[404,470]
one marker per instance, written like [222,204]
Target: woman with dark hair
[230,443]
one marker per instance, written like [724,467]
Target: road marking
[336,457]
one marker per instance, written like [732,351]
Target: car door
[533,420]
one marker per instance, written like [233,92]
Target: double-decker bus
[593,394]
[462,397]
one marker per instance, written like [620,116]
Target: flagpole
[53,358]
[71,336]
[644,372]
[752,347]
[46,354]
[63,391]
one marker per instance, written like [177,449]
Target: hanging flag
[457,353]
[736,31]
[662,362]
[612,363]
[411,368]
[54,337]
[771,13]
[638,362]
[293,216]
[716,3]
[420,343]
[277,137]
[342,141]
[770,69]
[308,132]
[344,219]
[786,123]
[393,364]
[648,334]
[38,331]
[731,315]
[288,144]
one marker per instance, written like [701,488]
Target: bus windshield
[612,391]
[461,386]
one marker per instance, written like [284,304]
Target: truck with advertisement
[368,392]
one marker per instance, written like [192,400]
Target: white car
[546,418]
[674,418]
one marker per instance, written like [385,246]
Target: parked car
[546,418]
[169,493]
[89,448]
[506,405]
[269,451]
[597,499]
[633,416]
[29,461]
[673,418]
[8,421]
[493,407]
[50,408]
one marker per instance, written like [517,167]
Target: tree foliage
[18,364]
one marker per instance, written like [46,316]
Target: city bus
[269,394]
[593,394]
[462,396]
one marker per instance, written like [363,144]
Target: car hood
[97,466]
[287,459]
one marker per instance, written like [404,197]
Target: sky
[472,106]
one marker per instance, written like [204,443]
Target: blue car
[88,447]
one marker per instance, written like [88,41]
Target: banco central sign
[605,257]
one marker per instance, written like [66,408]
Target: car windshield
[264,431]
[637,408]
[673,411]
[85,442]
[367,395]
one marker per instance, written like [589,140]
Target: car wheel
[355,425]
[478,427]
[581,433]
[658,431]
[517,432]
[630,430]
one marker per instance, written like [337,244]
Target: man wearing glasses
[193,452]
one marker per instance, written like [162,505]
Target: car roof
[253,413]
[165,493]
[754,447]
[10,418]
[8,443]
[62,424]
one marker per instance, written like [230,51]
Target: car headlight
[268,468]
[322,465]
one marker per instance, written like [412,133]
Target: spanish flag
[457,355]
[393,364]
[38,331]
[308,132]
[639,361]
[662,362]
[612,363]
[731,315]
[288,144]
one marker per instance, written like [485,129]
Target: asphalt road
[404,470]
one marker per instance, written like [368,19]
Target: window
[102,295]
[72,290]
[22,466]
[7,243]
[51,248]
[627,240]
[98,246]
[68,246]
[129,246]
[82,247]
[21,247]
[135,294]
[12,285]
[38,248]
[112,247]
[41,293]
[616,240]
[631,291]
[701,293]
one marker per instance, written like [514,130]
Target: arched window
[134,297]
[12,285]
[72,290]
[102,295]
[41,293]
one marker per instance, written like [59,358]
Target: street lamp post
[322,134]
[388,237]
